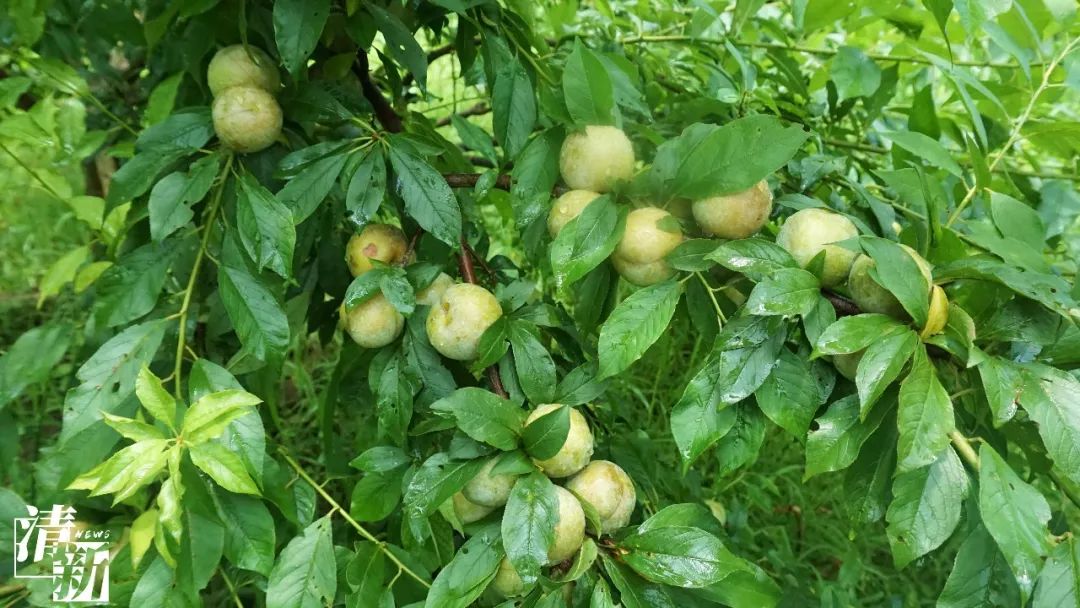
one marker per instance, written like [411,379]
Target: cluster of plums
[243,80]
[600,483]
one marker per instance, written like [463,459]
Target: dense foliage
[549,304]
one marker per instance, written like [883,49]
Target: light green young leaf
[223,467]
[154,398]
[208,417]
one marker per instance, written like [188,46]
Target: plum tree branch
[843,306]
[386,115]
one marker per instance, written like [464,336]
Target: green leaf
[634,325]
[258,318]
[852,334]
[635,592]
[484,416]
[925,148]
[249,531]
[536,169]
[1049,290]
[897,271]
[880,364]
[265,226]
[868,481]
[400,43]
[926,507]
[132,429]
[154,398]
[854,74]
[380,459]
[692,255]
[708,160]
[171,197]
[436,481]
[1059,581]
[366,574]
[1003,383]
[297,27]
[791,395]
[740,446]
[528,524]
[185,131]
[303,194]
[788,291]
[532,362]
[131,468]
[223,466]
[376,496]
[130,288]
[840,435]
[513,108]
[208,417]
[367,188]
[587,88]
[1054,405]
[546,435]
[755,258]
[925,417]
[586,240]
[1015,514]
[680,556]
[1016,220]
[305,575]
[31,358]
[980,576]
[61,273]
[428,199]
[462,581]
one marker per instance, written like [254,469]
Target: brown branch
[386,115]
[476,110]
[843,306]
[465,261]
[468,180]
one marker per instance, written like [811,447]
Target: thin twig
[388,118]
[843,306]
[476,110]
[208,228]
[348,518]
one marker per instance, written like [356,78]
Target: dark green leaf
[791,395]
[634,325]
[587,88]
[484,416]
[926,507]
[367,188]
[788,291]
[898,272]
[925,417]
[428,199]
[265,226]
[535,369]
[513,107]
[545,436]
[586,241]
[400,43]
[680,556]
[303,194]
[297,27]
[880,364]
[130,288]
[980,577]
[852,334]
[259,319]
[528,524]
[840,435]
[305,573]
[755,258]
[467,575]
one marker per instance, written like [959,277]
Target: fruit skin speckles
[246,119]
[735,216]
[607,487]
[461,316]
[373,323]
[810,231]
[567,207]
[235,66]
[489,490]
[596,158]
[650,234]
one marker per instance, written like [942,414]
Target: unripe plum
[467,511]
[246,119]
[596,158]
[809,231]
[644,240]
[607,487]
[735,216]
[235,66]
[460,317]
[848,364]
[373,323]
[430,295]
[871,297]
[507,582]
[489,490]
[570,531]
[567,207]
[575,452]
[645,274]
[381,242]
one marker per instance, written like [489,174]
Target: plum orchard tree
[365,299]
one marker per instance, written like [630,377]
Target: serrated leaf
[586,241]
[680,556]
[208,417]
[223,466]
[925,417]
[787,291]
[634,325]
[528,524]
[926,507]
[428,199]
[305,574]
[484,416]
